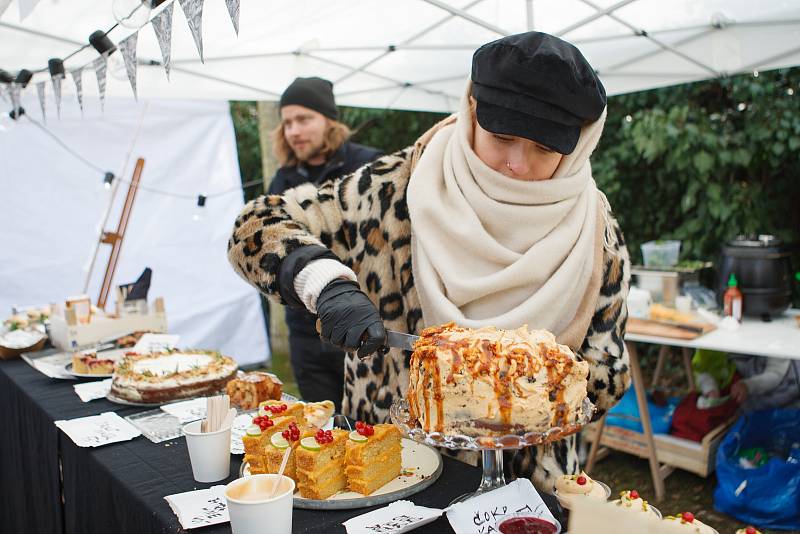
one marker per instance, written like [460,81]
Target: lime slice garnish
[310,443]
[253,430]
[278,441]
[355,436]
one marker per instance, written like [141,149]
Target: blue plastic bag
[768,496]
[626,413]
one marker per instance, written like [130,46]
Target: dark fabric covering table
[121,487]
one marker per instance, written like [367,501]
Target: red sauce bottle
[733,300]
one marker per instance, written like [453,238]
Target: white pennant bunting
[3,6]
[162,25]
[77,75]
[233,9]
[128,49]
[40,92]
[57,92]
[193,9]
[26,7]
[100,67]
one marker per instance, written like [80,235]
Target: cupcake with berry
[570,487]
[687,522]
[632,501]
[750,529]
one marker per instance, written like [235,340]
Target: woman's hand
[349,320]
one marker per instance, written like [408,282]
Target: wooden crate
[67,333]
[695,457]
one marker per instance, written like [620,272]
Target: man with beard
[312,146]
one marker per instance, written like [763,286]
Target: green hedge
[698,162]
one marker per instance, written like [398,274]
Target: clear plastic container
[661,253]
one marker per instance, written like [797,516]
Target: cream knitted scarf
[488,250]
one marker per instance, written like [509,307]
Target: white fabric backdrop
[52,205]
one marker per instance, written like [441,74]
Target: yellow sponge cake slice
[319,463]
[372,457]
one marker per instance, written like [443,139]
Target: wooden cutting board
[648,327]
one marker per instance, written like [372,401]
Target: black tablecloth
[121,487]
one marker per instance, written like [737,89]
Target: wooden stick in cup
[285,460]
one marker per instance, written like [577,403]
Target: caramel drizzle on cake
[510,361]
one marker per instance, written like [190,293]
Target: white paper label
[398,517]
[98,430]
[187,411]
[89,391]
[156,343]
[200,508]
[481,514]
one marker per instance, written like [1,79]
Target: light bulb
[131,13]
[199,209]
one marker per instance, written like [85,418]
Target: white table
[779,338]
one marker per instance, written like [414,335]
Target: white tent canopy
[411,54]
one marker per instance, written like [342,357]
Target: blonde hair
[335,136]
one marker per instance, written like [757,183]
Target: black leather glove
[349,320]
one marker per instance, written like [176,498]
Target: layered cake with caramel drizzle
[491,382]
[166,376]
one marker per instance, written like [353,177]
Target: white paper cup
[252,512]
[210,452]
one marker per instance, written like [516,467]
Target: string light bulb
[108,179]
[133,14]
[199,209]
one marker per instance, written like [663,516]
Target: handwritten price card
[200,508]
[98,430]
[398,517]
[481,514]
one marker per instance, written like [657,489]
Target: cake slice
[276,408]
[249,389]
[279,443]
[89,364]
[319,463]
[256,438]
[372,457]
[318,413]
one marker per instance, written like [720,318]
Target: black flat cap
[536,86]
[312,93]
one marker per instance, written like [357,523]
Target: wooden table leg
[687,364]
[662,356]
[644,416]
[601,424]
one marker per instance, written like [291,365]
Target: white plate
[421,467]
[114,354]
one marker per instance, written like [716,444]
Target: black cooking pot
[763,269]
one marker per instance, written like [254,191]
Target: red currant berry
[581,480]
[687,516]
[633,494]
[750,530]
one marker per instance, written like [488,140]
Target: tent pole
[593,17]
[658,51]
[466,16]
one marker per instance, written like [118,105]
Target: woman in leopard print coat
[363,219]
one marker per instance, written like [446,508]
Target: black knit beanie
[312,93]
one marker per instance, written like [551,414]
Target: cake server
[399,340]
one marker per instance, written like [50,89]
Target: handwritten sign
[89,391]
[481,514]
[98,430]
[156,343]
[398,517]
[187,411]
[200,508]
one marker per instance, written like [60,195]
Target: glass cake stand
[490,447]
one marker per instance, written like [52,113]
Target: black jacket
[347,159]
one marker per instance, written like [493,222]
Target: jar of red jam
[528,524]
